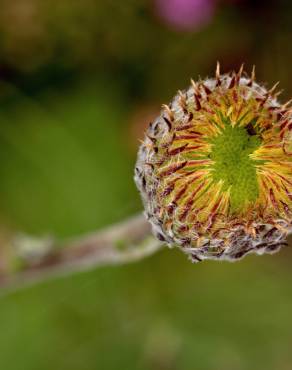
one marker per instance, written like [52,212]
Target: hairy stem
[128,241]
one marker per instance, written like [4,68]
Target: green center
[230,152]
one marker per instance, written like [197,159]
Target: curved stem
[128,241]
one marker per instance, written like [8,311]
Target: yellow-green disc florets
[233,165]
[215,169]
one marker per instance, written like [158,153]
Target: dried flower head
[215,169]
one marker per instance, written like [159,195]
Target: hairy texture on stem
[125,242]
[215,169]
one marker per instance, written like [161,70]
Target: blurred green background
[79,82]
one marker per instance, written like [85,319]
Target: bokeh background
[79,82]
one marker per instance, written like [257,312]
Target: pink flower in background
[186,14]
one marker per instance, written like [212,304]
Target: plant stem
[125,242]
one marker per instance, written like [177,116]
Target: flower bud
[215,169]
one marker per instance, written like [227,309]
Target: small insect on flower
[215,169]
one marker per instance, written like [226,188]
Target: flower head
[215,169]
[186,14]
